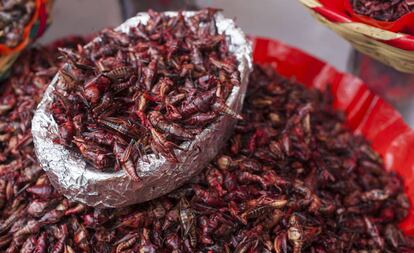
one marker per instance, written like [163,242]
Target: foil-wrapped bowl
[80,181]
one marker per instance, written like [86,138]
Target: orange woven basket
[392,48]
[34,29]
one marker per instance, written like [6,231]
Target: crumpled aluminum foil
[79,181]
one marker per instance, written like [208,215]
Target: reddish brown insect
[158,121]
[277,198]
[15,16]
[382,10]
[126,159]
[29,245]
[156,86]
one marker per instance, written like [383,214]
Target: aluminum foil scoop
[79,181]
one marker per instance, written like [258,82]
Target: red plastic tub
[367,114]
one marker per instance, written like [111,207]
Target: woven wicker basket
[34,29]
[393,49]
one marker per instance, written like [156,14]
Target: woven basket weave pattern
[368,40]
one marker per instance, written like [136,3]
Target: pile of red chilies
[127,95]
[383,10]
[293,178]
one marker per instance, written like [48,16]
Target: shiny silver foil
[79,181]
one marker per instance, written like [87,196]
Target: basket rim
[365,110]
[403,41]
